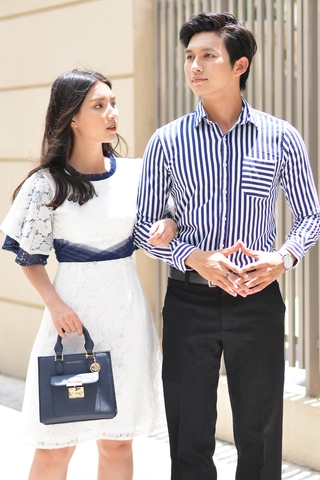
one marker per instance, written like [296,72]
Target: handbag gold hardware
[88,355]
[75,392]
[95,367]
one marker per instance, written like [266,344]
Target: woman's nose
[112,114]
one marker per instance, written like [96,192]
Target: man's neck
[225,112]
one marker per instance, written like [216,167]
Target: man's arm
[299,189]
[153,195]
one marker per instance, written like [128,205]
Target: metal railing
[285,82]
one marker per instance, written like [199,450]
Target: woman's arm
[162,232]
[63,317]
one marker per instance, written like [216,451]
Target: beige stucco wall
[39,40]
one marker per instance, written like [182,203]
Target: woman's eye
[98,106]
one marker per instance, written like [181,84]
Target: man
[223,164]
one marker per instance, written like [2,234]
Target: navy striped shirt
[225,186]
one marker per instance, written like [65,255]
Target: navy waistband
[76,252]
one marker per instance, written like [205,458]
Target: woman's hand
[64,318]
[162,232]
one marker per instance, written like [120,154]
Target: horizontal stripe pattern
[225,186]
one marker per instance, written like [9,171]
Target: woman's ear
[73,123]
[241,65]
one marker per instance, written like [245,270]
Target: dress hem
[73,443]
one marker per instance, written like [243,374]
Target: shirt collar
[247,114]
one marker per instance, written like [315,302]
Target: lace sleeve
[23,258]
[29,221]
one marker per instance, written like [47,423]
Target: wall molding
[49,8]
[122,76]
[17,160]
[22,303]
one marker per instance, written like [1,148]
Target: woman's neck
[88,160]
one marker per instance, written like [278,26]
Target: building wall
[39,40]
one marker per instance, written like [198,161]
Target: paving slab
[151,453]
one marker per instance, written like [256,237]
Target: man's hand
[267,267]
[217,269]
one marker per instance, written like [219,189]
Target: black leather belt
[187,277]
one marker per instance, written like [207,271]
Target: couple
[223,165]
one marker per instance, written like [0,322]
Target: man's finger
[229,250]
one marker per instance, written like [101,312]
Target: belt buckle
[211,284]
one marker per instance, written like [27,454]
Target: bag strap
[88,344]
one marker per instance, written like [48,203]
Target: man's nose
[196,66]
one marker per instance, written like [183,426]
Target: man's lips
[112,128]
[197,79]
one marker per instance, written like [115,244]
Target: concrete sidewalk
[151,454]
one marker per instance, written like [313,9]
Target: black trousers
[199,324]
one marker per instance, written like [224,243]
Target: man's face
[207,66]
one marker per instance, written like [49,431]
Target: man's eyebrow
[189,50]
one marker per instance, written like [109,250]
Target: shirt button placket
[224,189]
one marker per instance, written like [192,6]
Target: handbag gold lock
[75,391]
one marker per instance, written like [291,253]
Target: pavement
[151,453]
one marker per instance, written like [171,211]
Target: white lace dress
[106,295]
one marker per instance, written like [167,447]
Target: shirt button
[225,164]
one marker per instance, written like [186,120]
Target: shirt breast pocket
[258,176]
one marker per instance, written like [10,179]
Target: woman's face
[97,119]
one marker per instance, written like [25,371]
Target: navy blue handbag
[76,387]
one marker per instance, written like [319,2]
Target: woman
[81,201]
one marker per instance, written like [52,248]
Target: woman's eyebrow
[99,98]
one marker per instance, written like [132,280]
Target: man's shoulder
[176,125]
[262,117]
[271,126]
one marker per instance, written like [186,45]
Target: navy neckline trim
[94,177]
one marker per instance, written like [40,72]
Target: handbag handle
[88,344]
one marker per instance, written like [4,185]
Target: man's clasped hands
[216,267]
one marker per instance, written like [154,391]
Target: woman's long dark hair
[67,95]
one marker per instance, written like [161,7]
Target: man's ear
[241,65]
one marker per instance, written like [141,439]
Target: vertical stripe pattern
[225,186]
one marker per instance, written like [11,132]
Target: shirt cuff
[293,248]
[180,254]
